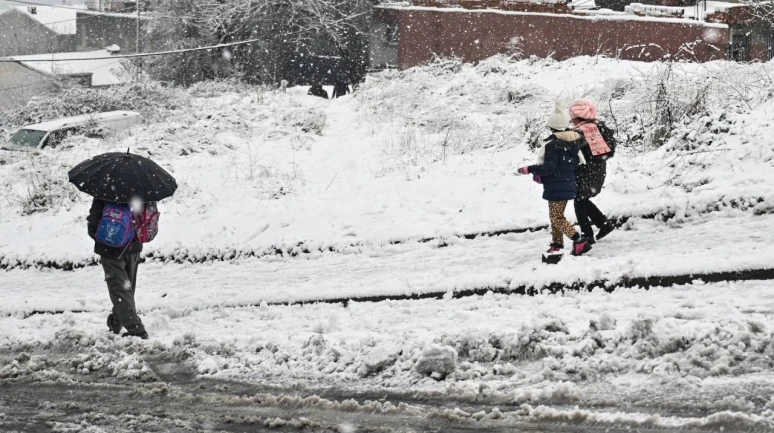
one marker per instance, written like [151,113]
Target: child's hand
[524,170]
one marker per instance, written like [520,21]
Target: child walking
[599,146]
[555,169]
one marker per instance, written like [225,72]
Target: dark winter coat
[557,173]
[317,90]
[340,88]
[95,214]
[590,177]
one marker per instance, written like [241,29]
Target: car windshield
[28,137]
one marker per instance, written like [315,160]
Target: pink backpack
[146,222]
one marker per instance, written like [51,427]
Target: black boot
[113,325]
[139,333]
[589,238]
[605,230]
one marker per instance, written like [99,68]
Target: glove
[524,170]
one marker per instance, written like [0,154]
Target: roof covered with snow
[59,20]
[697,12]
[602,14]
[105,69]
[129,15]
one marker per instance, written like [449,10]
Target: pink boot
[555,248]
[580,247]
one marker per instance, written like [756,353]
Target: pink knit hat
[583,110]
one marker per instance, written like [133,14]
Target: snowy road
[207,405]
[664,360]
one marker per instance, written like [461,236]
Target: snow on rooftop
[59,20]
[105,69]
[702,9]
[603,14]
[131,15]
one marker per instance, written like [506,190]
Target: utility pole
[137,27]
[137,40]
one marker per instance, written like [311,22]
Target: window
[391,34]
[28,138]
[57,137]
[740,46]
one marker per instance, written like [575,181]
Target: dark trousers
[587,213]
[121,279]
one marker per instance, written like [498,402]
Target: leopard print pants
[559,224]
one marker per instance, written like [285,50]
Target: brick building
[406,36]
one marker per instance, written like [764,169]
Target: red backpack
[146,222]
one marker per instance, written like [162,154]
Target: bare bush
[647,109]
[670,98]
[152,100]
[441,66]
[281,32]
[44,187]
[311,121]
[514,48]
[248,166]
[215,88]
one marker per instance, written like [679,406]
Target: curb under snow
[607,285]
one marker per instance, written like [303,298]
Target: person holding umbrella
[123,216]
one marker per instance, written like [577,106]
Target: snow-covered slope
[415,154]
[421,156]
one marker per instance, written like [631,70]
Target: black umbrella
[122,177]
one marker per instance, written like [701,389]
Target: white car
[49,134]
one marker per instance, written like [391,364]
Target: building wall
[22,35]
[752,35]
[19,84]
[474,36]
[95,32]
[383,39]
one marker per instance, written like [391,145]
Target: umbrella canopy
[122,178]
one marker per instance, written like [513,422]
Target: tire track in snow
[229,406]
[524,290]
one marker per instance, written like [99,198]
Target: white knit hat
[559,119]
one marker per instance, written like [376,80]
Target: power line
[164,53]
[91,12]
[24,2]
[134,56]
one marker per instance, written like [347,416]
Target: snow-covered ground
[415,155]
[286,198]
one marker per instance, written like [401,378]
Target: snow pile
[55,360]
[437,362]
[633,350]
